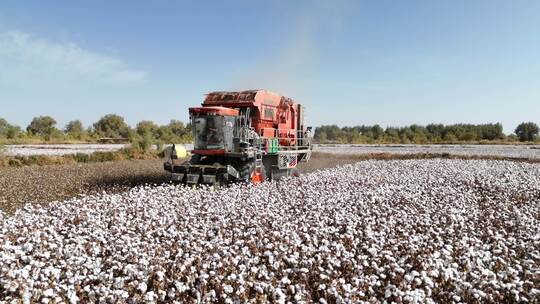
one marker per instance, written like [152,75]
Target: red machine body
[272,115]
[244,136]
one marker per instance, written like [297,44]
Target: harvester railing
[301,140]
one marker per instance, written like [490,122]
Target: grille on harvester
[286,161]
[292,163]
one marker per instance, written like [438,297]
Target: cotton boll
[228,288]
[72,297]
[142,287]
[150,297]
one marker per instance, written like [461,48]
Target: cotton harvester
[246,136]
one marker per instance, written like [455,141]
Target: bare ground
[43,184]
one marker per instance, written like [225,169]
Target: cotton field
[409,231]
[60,149]
[506,151]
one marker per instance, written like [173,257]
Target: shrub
[8,131]
[15,162]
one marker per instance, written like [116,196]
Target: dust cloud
[288,70]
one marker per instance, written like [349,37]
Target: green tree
[165,134]
[74,129]
[111,125]
[527,131]
[391,135]
[8,130]
[391,132]
[435,132]
[491,131]
[4,127]
[44,126]
[178,128]
[13,132]
[147,127]
[406,135]
[332,132]
[377,132]
[321,136]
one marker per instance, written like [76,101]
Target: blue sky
[350,62]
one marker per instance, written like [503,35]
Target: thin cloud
[26,59]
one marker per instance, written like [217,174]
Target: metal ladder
[258,156]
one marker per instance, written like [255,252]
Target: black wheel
[245,171]
[263,173]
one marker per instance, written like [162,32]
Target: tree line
[432,133]
[145,133]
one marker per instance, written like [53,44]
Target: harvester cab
[243,136]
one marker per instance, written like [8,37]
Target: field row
[505,151]
[60,149]
[509,151]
